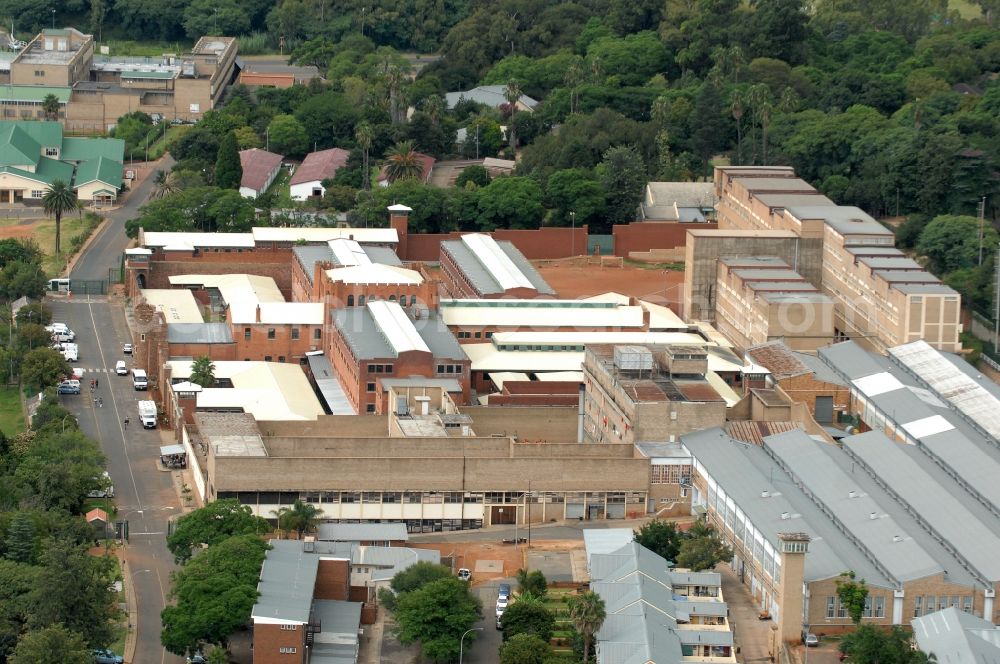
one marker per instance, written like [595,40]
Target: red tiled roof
[96,513]
[427,162]
[260,78]
[318,166]
[258,165]
[755,432]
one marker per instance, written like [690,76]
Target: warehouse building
[477,266]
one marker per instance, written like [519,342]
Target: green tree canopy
[57,200]
[53,644]
[853,595]
[43,367]
[228,170]
[59,469]
[475,174]
[203,371]
[952,242]
[528,615]
[871,644]
[623,174]
[587,613]
[524,648]
[211,524]
[575,195]
[214,594]
[532,582]
[510,202]
[436,615]
[287,136]
[703,548]
[417,576]
[661,537]
[300,517]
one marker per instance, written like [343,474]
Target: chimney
[791,594]
[258,313]
[399,219]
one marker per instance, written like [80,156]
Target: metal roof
[177,304]
[259,167]
[375,273]
[956,637]
[173,240]
[943,514]
[807,461]
[362,532]
[542,313]
[319,166]
[325,377]
[396,327]
[368,340]
[337,643]
[493,267]
[348,252]
[325,234]
[845,219]
[199,333]
[287,582]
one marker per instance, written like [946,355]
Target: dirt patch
[574,278]
[23,228]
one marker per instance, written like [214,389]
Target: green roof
[45,132]
[148,74]
[101,169]
[17,148]
[51,170]
[33,93]
[82,149]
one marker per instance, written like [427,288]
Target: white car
[501,606]
[464,574]
[120,368]
[127,349]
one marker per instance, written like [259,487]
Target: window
[289,650]
[246,333]
[295,334]
[371,387]
[402,300]
[289,628]
[37,193]
[361,300]
[270,333]
[489,335]
[40,73]
[392,298]
[918,606]
[479,335]
[350,497]
[350,300]
[388,368]
[317,333]
[51,152]
[370,408]
[281,358]
[268,358]
[967,604]
[391,496]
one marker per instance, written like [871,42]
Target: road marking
[131,534]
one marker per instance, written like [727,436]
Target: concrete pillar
[989,596]
[791,600]
[897,606]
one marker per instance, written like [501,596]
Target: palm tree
[403,163]
[434,107]
[736,108]
[587,613]
[58,200]
[164,184]
[300,517]
[50,105]
[365,135]
[512,93]
[203,371]
[759,97]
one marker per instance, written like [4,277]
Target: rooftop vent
[765,494]
[897,538]
[786,515]
[873,516]
[852,494]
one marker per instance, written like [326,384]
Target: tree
[164,184]
[209,525]
[300,517]
[34,313]
[575,196]
[528,615]
[402,162]
[365,135]
[703,548]
[871,644]
[510,202]
[623,175]
[85,601]
[16,582]
[53,644]
[214,594]
[951,242]
[203,371]
[51,106]
[512,93]
[287,136]
[587,613]
[661,537]
[20,540]
[437,615]
[532,582]
[43,367]
[58,200]
[475,174]
[524,648]
[417,576]
[853,595]
[58,469]
[228,169]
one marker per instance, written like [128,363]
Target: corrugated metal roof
[956,637]
[542,313]
[259,167]
[177,304]
[361,532]
[754,432]
[375,274]
[324,234]
[189,241]
[319,166]
[287,582]
[493,267]
[358,327]
[325,377]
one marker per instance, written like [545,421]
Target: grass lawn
[11,413]
[165,141]
[154,49]
[965,8]
[43,230]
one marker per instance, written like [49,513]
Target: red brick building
[476,265]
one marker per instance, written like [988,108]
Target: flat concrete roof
[177,304]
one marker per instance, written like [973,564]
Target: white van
[139,380]
[59,285]
[65,335]
[71,352]
[120,368]
[52,328]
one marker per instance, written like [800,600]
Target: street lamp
[572,216]
[461,642]
[53,18]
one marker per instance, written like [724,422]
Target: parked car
[810,640]
[196,658]
[504,590]
[127,349]
[502,605]
[464,574]
[105,656]
[68,387]
[120,368]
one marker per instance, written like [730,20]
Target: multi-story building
[756,304]
[477,266]
[804,378]
[869,506]
[382,340]
[647,393]
[95,90]
[883,300]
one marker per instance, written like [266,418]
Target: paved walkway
[750,634]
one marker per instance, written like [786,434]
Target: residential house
[260,168]
[307,180]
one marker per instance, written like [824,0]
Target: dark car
[504,590]
[105,656]
[810,640]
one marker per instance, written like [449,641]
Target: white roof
[374,273]
[349,252]
[267,390]
[662,318]
[486,357]
[496,261]
[560,376]
[187,241]
[234,288]
[277,313]
[877,384]
[554,313]
[501,377]
[722,387]
[577,338]
[927,426]
[177,304]
[372,235]
[138,251]
[396,327]
[610,296]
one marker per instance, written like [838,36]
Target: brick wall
[534,244]
[269,639]
[806,388]
[260,345]
[647,235]
[333,580]
[160,272]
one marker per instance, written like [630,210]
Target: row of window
[380,368]
[449,368]
[272,333]
[431,498]
[372,298]
[474,335]
[874,607]
[664,474]
[924,604]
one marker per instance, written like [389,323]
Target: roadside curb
[133,613]
[71,263]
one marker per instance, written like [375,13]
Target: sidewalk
[751,635]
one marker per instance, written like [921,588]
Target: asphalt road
[485,649]
[105,250]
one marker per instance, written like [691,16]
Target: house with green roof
[34,154]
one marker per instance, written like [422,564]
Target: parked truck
[147,414]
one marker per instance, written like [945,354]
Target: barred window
[659,474]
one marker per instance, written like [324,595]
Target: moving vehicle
[68,387]
[147,414]
[127,349]
[464,574]
[105,656]
[120,368]
[139,380]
